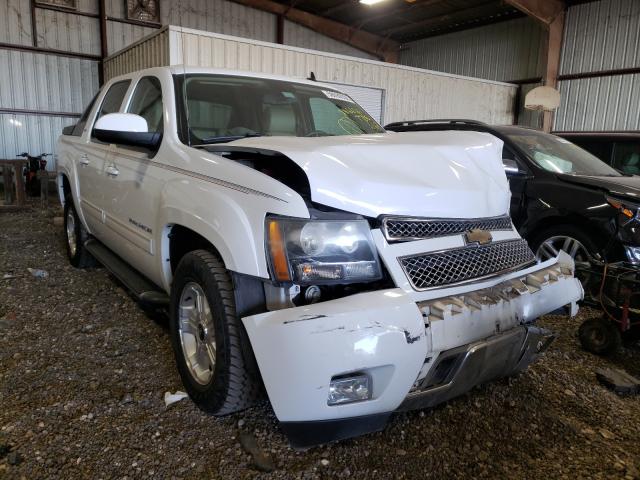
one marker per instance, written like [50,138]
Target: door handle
[84,160]
[112,171]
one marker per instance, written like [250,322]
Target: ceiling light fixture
[371,2]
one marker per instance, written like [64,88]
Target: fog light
[356,388]
[633,254]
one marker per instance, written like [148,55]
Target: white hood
[451,174]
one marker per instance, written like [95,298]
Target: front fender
[232,221]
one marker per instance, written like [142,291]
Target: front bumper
[398,338]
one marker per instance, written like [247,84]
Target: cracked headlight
[312,252]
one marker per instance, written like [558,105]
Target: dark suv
[563,197]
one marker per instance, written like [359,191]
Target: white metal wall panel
[220,16]
[510,50]
[299,36]
[68,32]
[212,15]
[410,92]
[121,35]
[146,53]
[34,134]
[599,103]
[15,22]
[35,81]
[602,35]
[115,8]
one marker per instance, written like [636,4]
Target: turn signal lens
[278,252]
[618,205]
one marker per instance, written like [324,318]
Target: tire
[568,231]
[75,235]
[232,382]
[599,336]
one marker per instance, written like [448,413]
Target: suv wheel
[76,235]
[212,349]
[599,336]
[548,244]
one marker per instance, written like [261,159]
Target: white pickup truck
[298,245]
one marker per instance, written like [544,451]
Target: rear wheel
[76,236]
[599,336]
[212,349]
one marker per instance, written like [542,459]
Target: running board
[144,290]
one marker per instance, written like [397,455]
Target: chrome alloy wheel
[552,246]
[197,335]
[71,233]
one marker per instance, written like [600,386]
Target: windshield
[222,108]
[558,155]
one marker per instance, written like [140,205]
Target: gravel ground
[83,372]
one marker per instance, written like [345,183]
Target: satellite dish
[542,98]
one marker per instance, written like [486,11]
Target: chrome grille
[463,264]
[403,228]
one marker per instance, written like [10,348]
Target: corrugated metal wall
[509,50]
[409,92]
[71,33]
[58,85]
[222,16]
[62,85]
[35,81]
[298,36]
[15,22]
[506,51]
[600,36]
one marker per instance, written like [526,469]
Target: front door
[91,159]
[135,181]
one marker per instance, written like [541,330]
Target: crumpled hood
[451,174]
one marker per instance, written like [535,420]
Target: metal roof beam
[381,47]
[440,19]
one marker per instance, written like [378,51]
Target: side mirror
[511,167]
[68,130]
[126,129]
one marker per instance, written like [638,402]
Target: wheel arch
[182,232]
[576,221]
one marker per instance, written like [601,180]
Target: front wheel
[76,236]
[580,247]
[212,349]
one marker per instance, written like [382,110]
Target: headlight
[633,254]
[628,210]
[311,252]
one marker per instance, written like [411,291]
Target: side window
[147,102]
[113,99]
[79,127]
[627,157]
[328,118]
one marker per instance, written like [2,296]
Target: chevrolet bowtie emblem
[481,237]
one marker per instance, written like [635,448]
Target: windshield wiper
[225,139]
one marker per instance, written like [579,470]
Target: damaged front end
[415,349]
[385,298]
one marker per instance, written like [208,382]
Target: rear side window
[627,157]
[147,102]
[113,99]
